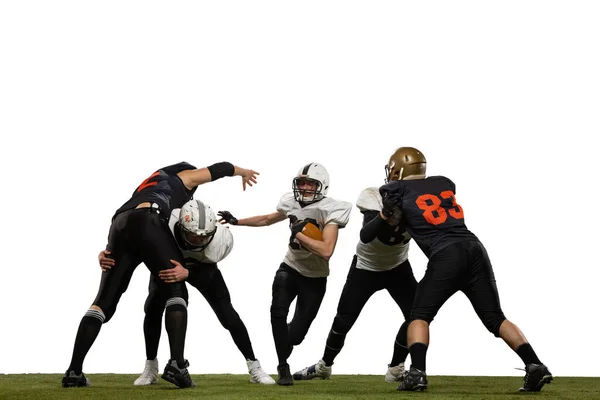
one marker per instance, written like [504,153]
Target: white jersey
[326,211]
[375,255]
[219,247]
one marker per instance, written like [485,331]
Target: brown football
[312,231]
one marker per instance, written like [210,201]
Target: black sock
[176,326]
[418,354]
[152,331]
[400,346]
[239,334]
[281,338]
[86,335]
[335,342]
[525,351]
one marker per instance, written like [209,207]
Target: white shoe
[257,375]
[150,374]
[394,374]
[318,370]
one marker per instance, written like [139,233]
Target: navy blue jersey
[164,188]
[430,212]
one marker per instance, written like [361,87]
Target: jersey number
[433,212]
[147,182]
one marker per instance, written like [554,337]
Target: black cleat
[72,380]
[285,376]
[536,376]
[179,377]
[415,379]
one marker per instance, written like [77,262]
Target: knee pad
[278,312]
[493,324]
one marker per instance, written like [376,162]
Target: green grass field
[111,387]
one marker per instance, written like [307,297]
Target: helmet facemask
[195,241]
[304,195]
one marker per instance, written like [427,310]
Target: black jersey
[164,188]
[430,212]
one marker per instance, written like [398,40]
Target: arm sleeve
[372,223]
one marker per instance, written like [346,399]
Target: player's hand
[390,203]
[175,274]
[106,263]
[248,177]
[227,218]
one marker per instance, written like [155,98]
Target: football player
[457,261]
[140,233]
[380,262]
[304,270]
[204,243]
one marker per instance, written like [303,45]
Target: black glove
[228,217]
[390,202]
[296,226]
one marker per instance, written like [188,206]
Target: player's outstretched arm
[196,177]
[259,220]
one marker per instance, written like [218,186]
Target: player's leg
[310,296]
[153,309]
[157,246]
[482,292]
[285,290]
[401,284]
[113,284]
[217,295]
[441,280]
[359,287]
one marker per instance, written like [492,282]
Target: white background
[502,97]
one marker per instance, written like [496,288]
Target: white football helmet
[313,173]
[198,224]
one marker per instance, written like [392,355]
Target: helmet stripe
[306,168]
[201,215]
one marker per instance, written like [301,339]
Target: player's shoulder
[335,211]
[287,203]
[369,199]
[176,168]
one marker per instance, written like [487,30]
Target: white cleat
[395,374]
[318,370]
[257,374]
[150,374]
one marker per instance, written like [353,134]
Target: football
[312,231]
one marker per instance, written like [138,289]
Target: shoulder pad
[369,199]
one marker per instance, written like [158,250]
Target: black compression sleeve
[372,222]
[220,170]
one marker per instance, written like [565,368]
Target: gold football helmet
[404,162]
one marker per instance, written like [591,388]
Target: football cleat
[318,370]
[536,376]
[72,380]
[179,377]
[285,376]
[395,374]
[415,379]
[257,374]
[150,374]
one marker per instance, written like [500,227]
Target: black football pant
[359,287]
[288,285]
[465,267]
[136,236]
[207,278]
